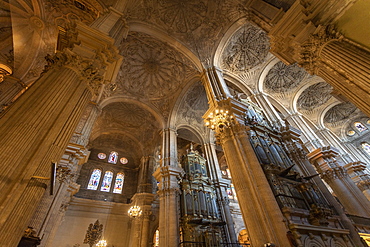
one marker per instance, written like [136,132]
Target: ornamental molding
[89,70]
[246,49]
[309,52]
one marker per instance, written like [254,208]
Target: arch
[115,99]
[160,35]
[265,71]
[225,39]
[302,87]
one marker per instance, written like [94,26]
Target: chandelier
[101,243]
[220,119]
[134,211]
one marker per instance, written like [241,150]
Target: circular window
[368,121]
[123,160]
[351,132]
[102,156]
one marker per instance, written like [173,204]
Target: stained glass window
[119,183]
[366,147]
[94,180]
[359,126]
[123,160]
[107,180]
[156,239]
[113,157]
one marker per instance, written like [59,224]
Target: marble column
[338,179]
[36,129]
[168,192]
[220,186]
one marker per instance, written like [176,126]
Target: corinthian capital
[309,51]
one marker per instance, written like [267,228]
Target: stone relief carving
[247,48]
[314,96]
[282,78]
[339,112]
[150,68]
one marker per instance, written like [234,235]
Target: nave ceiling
[158,83]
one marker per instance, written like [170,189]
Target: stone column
[11,88]
[298,155]
[334,141]
[356,171]
[356,152]
[36,129]
[266,223]
[340,62]
[145,228]
[168,191]
[145,184]
[169,148]
[220,186]
[310,139]
[217,89]
[140,224]
[337,178]
[270,113]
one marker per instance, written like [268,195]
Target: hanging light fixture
[219,119]
[134,211]
[102,243]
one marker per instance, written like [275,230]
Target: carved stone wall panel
[282,78]
[247,48]
[314,96]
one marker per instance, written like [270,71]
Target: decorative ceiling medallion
[247,48]
[282,78]
[339,112]
[314,96]
[150,68]
[182,16]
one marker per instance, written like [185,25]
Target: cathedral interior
[165,123]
